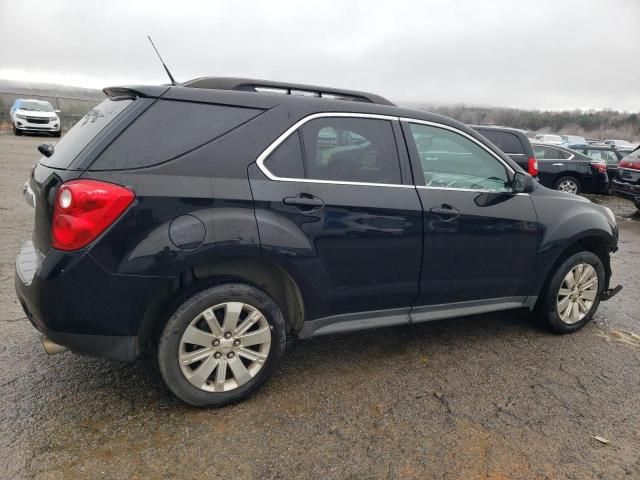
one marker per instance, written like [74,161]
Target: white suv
[34,116]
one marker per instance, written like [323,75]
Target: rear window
[507,142]
[169,129]
[76,139]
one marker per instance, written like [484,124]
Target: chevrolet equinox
[206,223]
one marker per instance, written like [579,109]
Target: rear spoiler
[135,91]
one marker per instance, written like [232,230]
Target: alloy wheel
[224,347]
[577,293]
[569,186]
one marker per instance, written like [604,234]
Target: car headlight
[19,115]
[610,214]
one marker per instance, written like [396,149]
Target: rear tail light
[632,164]
[600,167]
[532,166]
[84,209]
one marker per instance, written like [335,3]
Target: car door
[480,238]
[553,163]
[337,210]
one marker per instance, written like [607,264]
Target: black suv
[206,223]
[569,171]
[514,143]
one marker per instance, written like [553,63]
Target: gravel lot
[486,397]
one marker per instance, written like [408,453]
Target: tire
[568,184]
[192,320]
[57,134]
[16,131]
[550,303]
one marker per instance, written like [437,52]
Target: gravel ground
[485,397]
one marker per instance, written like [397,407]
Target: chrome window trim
[552,147]
[278,141]
[260,161]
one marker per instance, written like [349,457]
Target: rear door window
[169,129]
[505,141]
[351,149]
[76,139]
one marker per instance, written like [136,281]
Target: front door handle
[558,164]
[304,202]
[446,212]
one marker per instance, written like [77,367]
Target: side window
[507,142]
[610,157]
[351,149]
[286,160]
[450,160]
[595,154]
[551,153]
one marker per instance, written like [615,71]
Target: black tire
[168,346]
[16,131]
[568,178]
[546,310]
[57,134]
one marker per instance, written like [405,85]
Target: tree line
[589,123]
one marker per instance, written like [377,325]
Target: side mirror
[522,183]
[46,149]
[57,112]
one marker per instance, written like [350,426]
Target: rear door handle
[447,212]
[305,202]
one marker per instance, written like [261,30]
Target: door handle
[558,164]
[304,202]
[446,212]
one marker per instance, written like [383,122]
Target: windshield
[36,106]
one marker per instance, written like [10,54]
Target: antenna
[173,82]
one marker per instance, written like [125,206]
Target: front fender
[566,222]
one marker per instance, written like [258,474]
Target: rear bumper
[630,191]
[74,302]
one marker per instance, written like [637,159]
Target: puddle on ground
[622,336]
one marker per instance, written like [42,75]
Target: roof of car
[498,128]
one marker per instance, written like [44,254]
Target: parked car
[572,141]
[207,222]
[34,116]
[569,171]
[549,138]
[618,143]
[514,143]
[627,182]
[604,153]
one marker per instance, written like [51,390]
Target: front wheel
[568,184]
[221,345]
[572,295]
[16,130]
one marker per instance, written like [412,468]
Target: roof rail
[266,86]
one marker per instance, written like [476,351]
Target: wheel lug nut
[216,343]
[230,355]
[217,355]
[227,335]
[236,343]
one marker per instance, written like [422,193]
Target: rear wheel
[572,295]
[568,184]
[221,345]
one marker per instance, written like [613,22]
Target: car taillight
[532,167]
[84,209]
[600,167]
[634,165]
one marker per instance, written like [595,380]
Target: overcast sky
[531,54]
